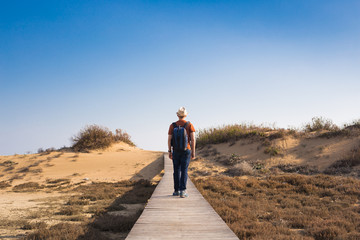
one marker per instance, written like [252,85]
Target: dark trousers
[181,162]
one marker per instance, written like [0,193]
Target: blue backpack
[179,139]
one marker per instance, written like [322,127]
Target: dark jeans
[181,162]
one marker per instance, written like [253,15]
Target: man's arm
[193,144]
[169,146]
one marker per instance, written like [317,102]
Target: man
[181,159]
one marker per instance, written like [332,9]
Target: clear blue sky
[132,64]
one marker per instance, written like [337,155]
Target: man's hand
[192,155]
[170,155]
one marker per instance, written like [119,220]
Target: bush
[122,136]
[96,137]
[273,151]
[354,124]
[240,169]
[92,137]
[320,123]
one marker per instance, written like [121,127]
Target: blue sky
[132,64]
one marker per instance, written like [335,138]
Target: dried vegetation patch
[290,206]
[90,212]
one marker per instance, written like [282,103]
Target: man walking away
[181,147]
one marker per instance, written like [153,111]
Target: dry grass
[70,210]
[231,133]
[101,199]
[27,187]
[272,151]
[114,223]
[345,166]
[8,163]
[290,206]
[59,231]
[4,184]
[58,181]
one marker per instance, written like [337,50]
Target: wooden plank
[169,217]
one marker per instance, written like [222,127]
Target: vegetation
[96,137]
[285,201]
[4,184]
[346,164]
[273,151]
[27,187]
[320,123]
[231,133]
[288,206]
[100,200]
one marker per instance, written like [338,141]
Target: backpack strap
[174,124]
[186,124]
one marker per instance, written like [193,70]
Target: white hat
[181,112]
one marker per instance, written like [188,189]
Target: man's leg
[185,160]
[176,175]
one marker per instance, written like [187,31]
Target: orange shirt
[189,129]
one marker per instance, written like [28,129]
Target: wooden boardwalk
[169,217]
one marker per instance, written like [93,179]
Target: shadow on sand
[116,221]
[151,170]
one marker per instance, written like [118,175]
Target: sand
[316,152]
[119,162]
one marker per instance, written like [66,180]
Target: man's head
[181,113]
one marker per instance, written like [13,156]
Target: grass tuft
[27,187]
[273,151]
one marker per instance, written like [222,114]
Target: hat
[181,112]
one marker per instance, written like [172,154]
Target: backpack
[179,139]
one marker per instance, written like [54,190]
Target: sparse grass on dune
[286,207]
[231,133]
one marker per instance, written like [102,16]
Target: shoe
[176,193]
[183,194]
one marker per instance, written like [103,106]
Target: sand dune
[317,153]
[119,162]
[59,172]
